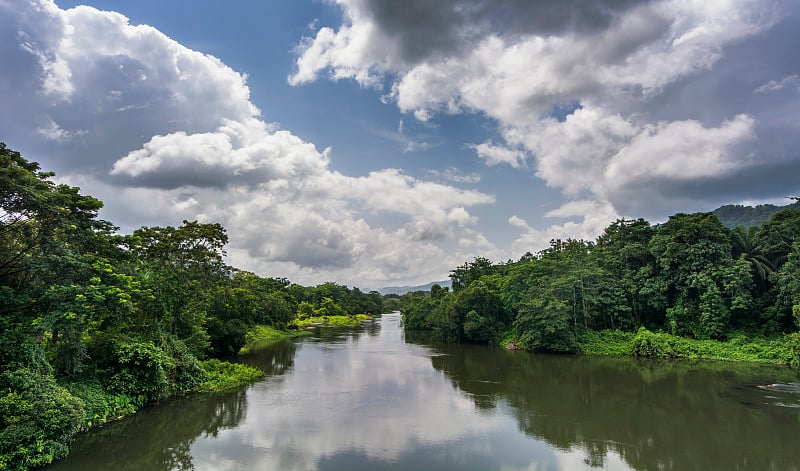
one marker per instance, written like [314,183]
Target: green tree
[470,271]
[777,235]
[748,247]
[622,251]
[693,257]
[182,267]
[783,315]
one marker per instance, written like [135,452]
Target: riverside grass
[260,336]
[333,321]
[739,348]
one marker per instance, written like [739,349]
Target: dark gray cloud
[423,28]
[711,96]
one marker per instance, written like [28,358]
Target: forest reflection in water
[374,399]
[654,414]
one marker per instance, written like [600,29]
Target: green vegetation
[94,324]
[223,376]
[687,288]
[332,321]
[259,336]
[644,343]
[733,215]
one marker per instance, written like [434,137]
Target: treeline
[94,324]
[689,277]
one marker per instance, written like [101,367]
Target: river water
[372,399]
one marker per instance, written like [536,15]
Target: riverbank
[101,406]
[220,376]
[779,351]
[260,336]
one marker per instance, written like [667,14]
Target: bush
[141,371]
[226,337]
[224,376]
[606,342]
[649,344]
[38,419]
[100,406]
[793,341]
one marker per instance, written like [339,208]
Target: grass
[333,321]
[781,351]
[260,336]
[606,342]
[225,376]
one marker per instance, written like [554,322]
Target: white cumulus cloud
[162,133]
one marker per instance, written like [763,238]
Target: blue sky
[375,143]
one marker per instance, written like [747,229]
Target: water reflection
[654,414]
[351,398]
[160,437]
[368,399]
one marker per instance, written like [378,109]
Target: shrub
[141,371]
[649,344]
[100,406]
[793,340]
[38,418]
[224,376]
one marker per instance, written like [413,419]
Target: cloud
[383,36]
[401,137]
[656,122]
[494,155]
[454,175]
[790,81]
[589,220]
[162,133]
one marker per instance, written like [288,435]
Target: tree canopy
[690,276]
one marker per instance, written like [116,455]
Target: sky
[377,142]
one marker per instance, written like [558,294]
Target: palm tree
[748,246]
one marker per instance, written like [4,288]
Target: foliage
[37,419]
[606,342]
[649,344]
[793,341]
[733,215]
[260,336]
[332,321]
[100,406]
[225,376]
[687,288]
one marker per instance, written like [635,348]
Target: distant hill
[401,290]
[732,215]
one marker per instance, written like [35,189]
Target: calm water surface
[370,399]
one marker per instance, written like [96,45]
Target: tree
[748,247]
[470,271]
[784,315]
[481,308]
[558,302]
[693,257]
[777,235]
[622,251]
[182,266]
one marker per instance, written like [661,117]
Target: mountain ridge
[401,290]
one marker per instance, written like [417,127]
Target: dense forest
[733,215]
[688,278]
[94,324]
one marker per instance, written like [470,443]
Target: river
[371,399]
